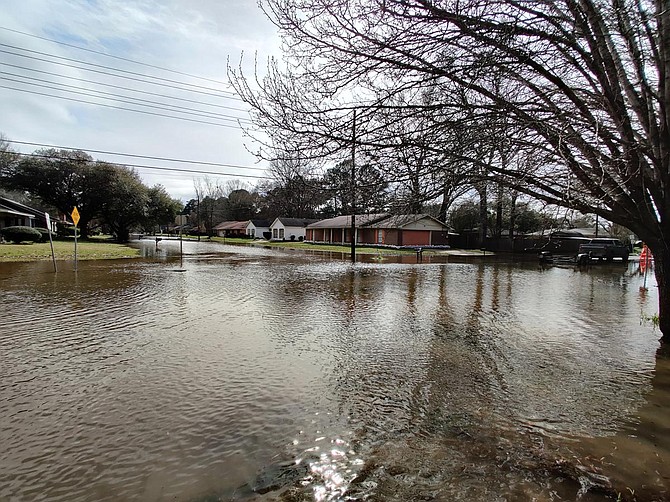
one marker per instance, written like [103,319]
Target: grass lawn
[312,247]
[64,250]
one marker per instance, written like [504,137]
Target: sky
[72,70]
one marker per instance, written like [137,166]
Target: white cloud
[194,37]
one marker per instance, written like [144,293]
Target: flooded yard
[254,374]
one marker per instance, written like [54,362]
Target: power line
[233,97]
[119,98]
[119,107]
[113,56]
[60,75]
[167,169]
[136,156]
[95,65]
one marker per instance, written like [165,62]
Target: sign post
[51,241]
[75,220]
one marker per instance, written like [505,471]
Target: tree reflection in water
[256,371]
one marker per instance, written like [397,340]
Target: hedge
[20,234]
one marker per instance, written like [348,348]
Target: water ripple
[252,372]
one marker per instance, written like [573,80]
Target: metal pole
[51,241]
[53,255]
[198,217]
[353,191]
[75,248]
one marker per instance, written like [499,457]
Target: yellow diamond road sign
[75,216]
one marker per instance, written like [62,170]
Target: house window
[380,236]
[281,233]
[274,233]
[252,231]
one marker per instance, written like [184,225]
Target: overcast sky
[194,37]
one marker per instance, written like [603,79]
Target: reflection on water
[259,372]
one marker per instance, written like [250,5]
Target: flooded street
[254,374]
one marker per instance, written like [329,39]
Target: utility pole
[353,191]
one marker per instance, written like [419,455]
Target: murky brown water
[257,374]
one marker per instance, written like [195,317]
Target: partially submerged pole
[75,220]
[47,220]
[75,248]
[353,191]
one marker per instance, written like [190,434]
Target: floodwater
[251,374]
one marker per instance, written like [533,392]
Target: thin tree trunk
[446,202]
[499,211]
[483,215]
[512,218]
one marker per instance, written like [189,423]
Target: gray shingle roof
[345,221]
[297,222]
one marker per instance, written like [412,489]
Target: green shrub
[63,230]
[44,232]
[21,234]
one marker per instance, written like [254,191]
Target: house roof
[20,209]
[345,221]
[402,220]
[8,210]
[259,223]
[588,233]
[295,222]
[231,225]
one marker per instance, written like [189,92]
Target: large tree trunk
[83,227]
[662,271]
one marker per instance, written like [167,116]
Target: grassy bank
[64,250]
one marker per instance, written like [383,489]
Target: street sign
[75,216]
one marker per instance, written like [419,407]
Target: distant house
[563,241]
[382,229]
[256,228]
[231,229]
[14,213]
[290,229]
[585,233]
[338,230]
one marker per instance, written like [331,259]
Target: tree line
[306,192]
[109,197]
[112,197]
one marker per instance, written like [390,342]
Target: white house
[256,228]
[290,229]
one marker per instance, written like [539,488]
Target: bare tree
[586,81]
[295,190]
[209,206]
